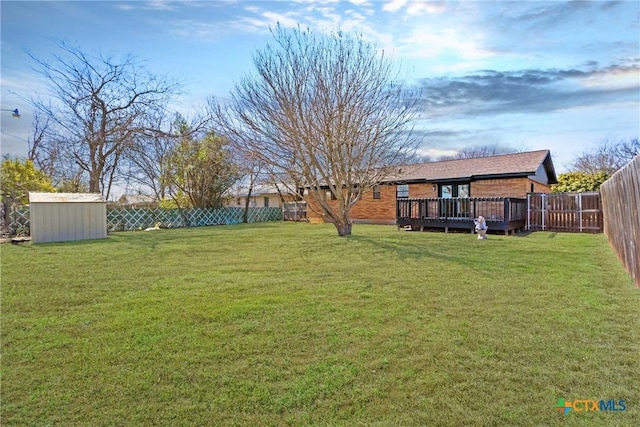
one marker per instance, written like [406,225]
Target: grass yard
[288,324]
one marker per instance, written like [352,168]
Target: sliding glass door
[458,208]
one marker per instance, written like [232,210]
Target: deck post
[507,210]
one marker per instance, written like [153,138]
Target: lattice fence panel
[137,219]
[19,220]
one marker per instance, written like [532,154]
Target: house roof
[65,198]
[501,166]
[262,190]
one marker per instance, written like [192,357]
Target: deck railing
[500,212]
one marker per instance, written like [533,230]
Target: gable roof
[501,166]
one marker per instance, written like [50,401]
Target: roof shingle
[506,164]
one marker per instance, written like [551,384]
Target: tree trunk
[343,227]
[94,182]
[245,214]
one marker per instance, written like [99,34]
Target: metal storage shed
[59,217]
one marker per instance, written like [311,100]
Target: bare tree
[43,160]
[607,157]
[148,160]
[47,154]
[327,109]
[96,107]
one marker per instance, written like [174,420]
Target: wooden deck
[505,214]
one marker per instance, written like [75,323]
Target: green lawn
[288,324]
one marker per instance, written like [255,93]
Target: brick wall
[367,209]
[383,210]
[423,190]
[509,187]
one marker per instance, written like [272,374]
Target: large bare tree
[95,108]
[327,110]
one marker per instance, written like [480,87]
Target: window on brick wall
[402,191]
[376,192]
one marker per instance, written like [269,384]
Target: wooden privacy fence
[573,212]
[621,203]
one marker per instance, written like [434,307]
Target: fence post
[543,205]
[528,211]
[580,210]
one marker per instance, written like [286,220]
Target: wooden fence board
[572,212]
[621,206]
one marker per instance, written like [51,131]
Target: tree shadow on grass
[471,255]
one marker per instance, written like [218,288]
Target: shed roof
[505,165]
[65,198]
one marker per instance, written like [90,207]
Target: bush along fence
[139,219]
[620,202]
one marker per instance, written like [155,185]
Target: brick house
[507,175]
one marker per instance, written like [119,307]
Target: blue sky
[539,74]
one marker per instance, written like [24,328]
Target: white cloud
[149,5]
[287,20]
[394,5]
[419,8]
[196,29]
[428,42]
[435,153]
[612,80]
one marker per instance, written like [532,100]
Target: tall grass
[287,324]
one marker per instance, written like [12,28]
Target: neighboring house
[507,175]
[262,196]
[137,201]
